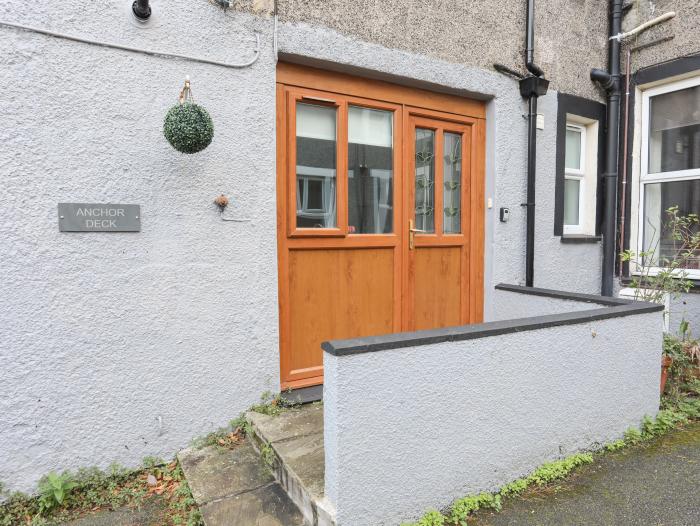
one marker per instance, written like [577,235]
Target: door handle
[411,234]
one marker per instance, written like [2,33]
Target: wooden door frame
[294,81]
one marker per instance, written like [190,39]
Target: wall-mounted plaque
[89,217]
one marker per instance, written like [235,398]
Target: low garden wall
[416,420]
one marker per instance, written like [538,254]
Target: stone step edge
[317,512]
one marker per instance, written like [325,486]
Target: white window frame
[642,175]
[587,175]
[577,175]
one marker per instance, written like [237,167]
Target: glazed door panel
[444,222]
[348,187]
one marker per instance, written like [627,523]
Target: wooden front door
[380,212]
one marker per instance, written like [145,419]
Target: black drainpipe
[141,9]
[531,87]
[610,80]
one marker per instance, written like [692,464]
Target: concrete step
[233,487]
[293,442]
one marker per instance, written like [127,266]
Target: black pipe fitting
[141,9]
[532,86]
[605,79]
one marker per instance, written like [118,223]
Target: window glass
[674,131]
[425,180]
[572,191]
[316,166]
[452,176]
[658,198]
[573,149]
[370,171]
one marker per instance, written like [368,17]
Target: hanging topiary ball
[188,127]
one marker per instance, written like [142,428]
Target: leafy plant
[655,273]
[463,507]
[684,352]
[91,489]
[558,469]
[267,455]
[431,518]
[614,446]
[272,405]
[54,490]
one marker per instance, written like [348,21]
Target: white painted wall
[457,418]
[114,346]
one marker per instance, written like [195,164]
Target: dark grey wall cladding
[612,308]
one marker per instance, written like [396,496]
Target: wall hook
[222,202]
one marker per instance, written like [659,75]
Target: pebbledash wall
[121,345]
[479,406]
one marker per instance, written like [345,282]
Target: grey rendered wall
[686,307]
[565,266]
[508,305]
[682,29]
[570,38]
[456,418]
[118,346]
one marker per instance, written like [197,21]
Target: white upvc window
[669,168]
[580,175]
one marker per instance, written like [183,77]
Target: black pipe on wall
[531,87]
[141,9]
[530,41]
[610,80]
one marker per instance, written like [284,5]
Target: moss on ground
[675,413]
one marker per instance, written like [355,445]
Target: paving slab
[292,423]
[266,506]
[651,485]
[296,439]
[305,457]
[232,486]
[214,473]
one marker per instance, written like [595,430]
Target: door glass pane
[658,238]
[316,166]
[572,158]
[674,131]
[425,179]
[370,171]
[572,190]
[452,176]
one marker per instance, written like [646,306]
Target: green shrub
[53,490]
[463,507]
[558,469]
[431,518]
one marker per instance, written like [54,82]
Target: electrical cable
[74,38]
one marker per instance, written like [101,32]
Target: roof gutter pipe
[531,87]
[610,80]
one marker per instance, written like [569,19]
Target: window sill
[694,289]
[580,238]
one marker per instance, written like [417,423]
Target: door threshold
[303,395]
